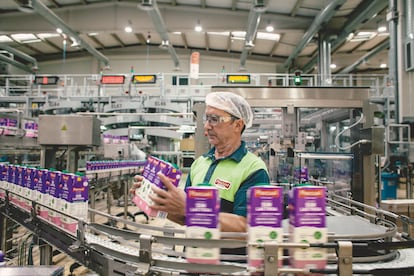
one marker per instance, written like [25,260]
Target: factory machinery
[362,240]
[291,127]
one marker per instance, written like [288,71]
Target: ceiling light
[383,65]
[332,66]
[128,29]
[148,38]
[198,27]
[269,27]
[382,28]
[59,30]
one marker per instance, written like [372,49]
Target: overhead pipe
[16,63]
[253,22]
[152,9]
[52,18]
[365,11]
[20,54]
[322,17]
[365,57]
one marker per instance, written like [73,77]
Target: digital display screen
[113,79]
[238,79]
[144,79]
[46,80]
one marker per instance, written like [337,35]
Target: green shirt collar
[236,156]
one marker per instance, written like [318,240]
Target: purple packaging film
[202,222]
[152,167]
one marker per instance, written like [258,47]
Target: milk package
[74,199]
[307,223]
[3,181]
[264,220]
[152,167]
[54,196]
[202,222]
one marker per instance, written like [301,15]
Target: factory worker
[228,165]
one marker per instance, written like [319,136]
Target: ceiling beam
[53,19]
[323,16]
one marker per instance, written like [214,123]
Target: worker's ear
[239,124]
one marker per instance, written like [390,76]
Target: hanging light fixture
[269,27]
[198,27]
[128,28]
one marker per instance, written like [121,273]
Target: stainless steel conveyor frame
[152,249]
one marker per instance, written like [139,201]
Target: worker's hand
[137,183]
[172,200]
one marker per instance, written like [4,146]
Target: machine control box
[69,130]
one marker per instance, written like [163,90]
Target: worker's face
[220,127]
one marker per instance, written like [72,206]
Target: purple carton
[13,184]
[307,224]
[28,188]
[54,196]
[202,222]
[74,200]
[2,182]
[19,180]
[264,219]
[42,184]
[152,167]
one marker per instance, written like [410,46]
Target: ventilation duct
[365,57]
[20,54]
[155,15]
[15,63]
[253,22]
[53,19]
[321,18]
[365,11]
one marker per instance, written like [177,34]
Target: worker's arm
[232,223]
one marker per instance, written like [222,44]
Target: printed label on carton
[264,217]
[152,167]
[307,219]
[202,222]
[75,193]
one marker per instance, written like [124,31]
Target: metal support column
[46,253]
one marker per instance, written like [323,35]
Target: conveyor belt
[150,248]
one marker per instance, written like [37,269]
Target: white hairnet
[233,104]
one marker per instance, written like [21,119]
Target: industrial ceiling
[230,28]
